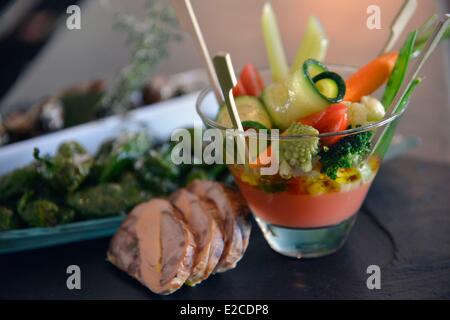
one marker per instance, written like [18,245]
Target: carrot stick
[370,77]
[264,159]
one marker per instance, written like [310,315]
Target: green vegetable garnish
[425,32]
[384,141]
[346,153]
[398,74]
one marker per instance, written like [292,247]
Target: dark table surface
[403,227]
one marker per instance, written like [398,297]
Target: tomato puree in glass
[303,210]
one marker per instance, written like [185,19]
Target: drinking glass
[307,215]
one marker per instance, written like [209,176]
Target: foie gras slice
[199,214]
[242,213]
[154,246]
[235,225]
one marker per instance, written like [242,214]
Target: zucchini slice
[313,68]
[331,86]
[297,97]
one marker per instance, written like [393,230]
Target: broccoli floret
[299,153]
[346,153]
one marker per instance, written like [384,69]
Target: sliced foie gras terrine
[200,215]
[154,246]
[233,220]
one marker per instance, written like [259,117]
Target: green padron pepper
[38,212]
[123,153]
[6,219]
[67,170]
[15,183]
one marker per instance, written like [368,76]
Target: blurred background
[40,57]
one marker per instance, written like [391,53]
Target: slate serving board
[404,227]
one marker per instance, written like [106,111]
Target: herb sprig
[149,41]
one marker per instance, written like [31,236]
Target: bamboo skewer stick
[399,24]
[227,80]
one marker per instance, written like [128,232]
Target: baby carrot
[264,159]
[370,77]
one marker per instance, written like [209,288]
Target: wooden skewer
[188,20]
[227,80]
[399,24]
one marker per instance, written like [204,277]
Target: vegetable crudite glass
[310,212]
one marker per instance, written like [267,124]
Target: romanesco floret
[346,153]
[299,153]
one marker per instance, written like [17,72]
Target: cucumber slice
[251,111]
[314,44]
[297,97]
[274,44]
[331,85]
